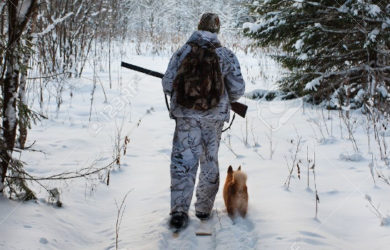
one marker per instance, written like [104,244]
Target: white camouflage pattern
[198,133]
[195,140]
[231,73]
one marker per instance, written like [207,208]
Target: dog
[235,193]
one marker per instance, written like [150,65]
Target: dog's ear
[230,169]
[239,168]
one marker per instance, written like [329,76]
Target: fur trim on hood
[204,38]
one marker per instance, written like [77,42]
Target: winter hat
[209,22]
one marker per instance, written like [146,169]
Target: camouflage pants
[195,140]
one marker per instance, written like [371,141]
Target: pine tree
[336,51]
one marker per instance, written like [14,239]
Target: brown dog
[235,192]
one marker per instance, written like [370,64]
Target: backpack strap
[217,45]
[231,123]
[166,102]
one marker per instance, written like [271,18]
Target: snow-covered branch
[2,4]
[23,8]
[52,25]
[316,81]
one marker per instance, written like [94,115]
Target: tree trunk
[10,86]
[23,117]
[16,24]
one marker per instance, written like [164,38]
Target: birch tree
[19,14]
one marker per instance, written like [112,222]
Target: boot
[202,216]
[179,220]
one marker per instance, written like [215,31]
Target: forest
[86,144]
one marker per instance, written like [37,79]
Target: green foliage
[27,115]
[16,183]
[331,48]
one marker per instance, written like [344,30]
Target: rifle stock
[237,107]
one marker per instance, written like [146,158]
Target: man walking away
[202,78]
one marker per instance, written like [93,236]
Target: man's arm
[234,81]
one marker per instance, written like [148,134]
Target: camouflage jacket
[231,73]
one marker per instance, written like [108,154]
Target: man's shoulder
[225,53]
[182,50]
[224,49]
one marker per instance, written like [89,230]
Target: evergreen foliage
[336,51]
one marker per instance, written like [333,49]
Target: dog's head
[237,176]
[231,171]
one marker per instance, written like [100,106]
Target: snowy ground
[278,218]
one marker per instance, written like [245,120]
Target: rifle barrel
[237,107]
[142,70]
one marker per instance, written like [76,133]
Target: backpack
[199,83]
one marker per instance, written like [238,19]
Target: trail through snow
[277,218]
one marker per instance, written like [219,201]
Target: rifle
[237,107]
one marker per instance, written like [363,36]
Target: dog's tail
[239,177]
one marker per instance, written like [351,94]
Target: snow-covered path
[277,218]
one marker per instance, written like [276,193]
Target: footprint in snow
[187,238]
[43,240]
[237,234]
[165,151]
[225,234]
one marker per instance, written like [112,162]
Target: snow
[2,4]
[298,3]
[52,25]
[253,27]
[23,8]
[383,91]
[371,37]
[11,113]
[360,95]
[277,218]
[312,85]
[298,44]
[264,94]
[303,56]
[374,10]
[351,157]
[343,9]
[273,19]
